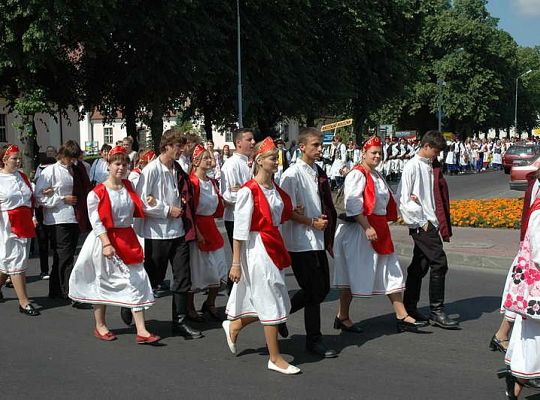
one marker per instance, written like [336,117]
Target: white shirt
[417,179]
[99,172]
[161,183]
[58,177]
[133,177]
[14,192]
[122,210]
[184,162]
[353,191]
[208,198]
[300,183]
[243,210]
[235,172]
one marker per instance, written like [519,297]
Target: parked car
[518,174]
[519,154]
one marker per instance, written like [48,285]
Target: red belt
[20,219]
[383,244]
[126,244]
[213,240]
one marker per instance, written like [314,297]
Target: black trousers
[229,227]
[43,238]
[428,255]
[64,238]
[159,253]
[311,271]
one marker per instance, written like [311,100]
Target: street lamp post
[516,103]
[239,52]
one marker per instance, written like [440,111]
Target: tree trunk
[208,125]
[131,124]
[156,125]
[31,148]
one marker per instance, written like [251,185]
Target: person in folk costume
[338,153]
[109,269]
[393,159]
[207,256]
[425,209]
[61,190]
[284,159]
[215,171]
[521,301]
[98,171]
[353,155]
[145,156]
[168,226]
[365,263]
[17,225]
[225,153]
[127,142]
[260,257]
[384,166]
[304,235]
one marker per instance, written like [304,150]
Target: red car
[518,174]
[519,154]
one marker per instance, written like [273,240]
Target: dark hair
[70,149]
[124,158]
[306,133]
[239,133]
[433,139]
[171,137]
[106,147]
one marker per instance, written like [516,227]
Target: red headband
[373,141]
[12,149]
[266,145]
[147,156]
[198,150]
[117,150]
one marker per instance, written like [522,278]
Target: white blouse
[353,189]
[208,198]
[14,192]
[243,210]
[235,171]
[122,210]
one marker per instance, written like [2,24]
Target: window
[228,136]
[107,135]
[3,137]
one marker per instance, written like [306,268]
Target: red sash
[20,218]
[383,244]
[124,240]
[213,240]
[261,221]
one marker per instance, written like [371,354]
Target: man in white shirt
[339,158]
[418,209]
[168,226]
[304,238]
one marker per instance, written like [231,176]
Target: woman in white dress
[206,255]
[16,225]
[109,270]
[523,353]
[365,263]
[260,257]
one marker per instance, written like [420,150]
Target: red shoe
[108,337]
[147,339]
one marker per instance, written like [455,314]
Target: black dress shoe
[183,329]
[212,311]
[404,326]
[338,324]
[81,306]
[126,315]
[320,349]
[496,344]
[417,315]
[441,320]
[29,310]
[283,330]
[510,383]
[195,316]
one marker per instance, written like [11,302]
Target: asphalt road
[481,186]
[55,356]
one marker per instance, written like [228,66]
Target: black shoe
[1,297]
[510,383]
[320,349]
[417,315]
[212,311]
[29,310]
[81,306]
[283,330]
[404,326]
[126,315]
[44,276]
[497,344]
[441,320]
[183,329]
[533,383]
[195,316]
[338,324]
[160,292]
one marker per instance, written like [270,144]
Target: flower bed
[489,213]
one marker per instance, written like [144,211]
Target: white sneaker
[226,327]
[290,370]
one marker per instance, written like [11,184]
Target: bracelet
[235,263]
[107,245]
[312,222]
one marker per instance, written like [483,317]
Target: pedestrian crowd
[143,211]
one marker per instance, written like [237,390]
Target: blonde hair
[266,154]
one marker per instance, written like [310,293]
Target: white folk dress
[356,264]
[261,291]
[96,279]
[14,193]
[208,268]
[523,354]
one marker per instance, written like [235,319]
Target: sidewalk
[471,247]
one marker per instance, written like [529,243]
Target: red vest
[213,240]
[124,240]
[20,218]
[383,244]
[261,221]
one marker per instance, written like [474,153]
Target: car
[518,174]
[519,154]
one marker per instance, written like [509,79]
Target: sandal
[496,344]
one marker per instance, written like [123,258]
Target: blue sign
[328,137]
